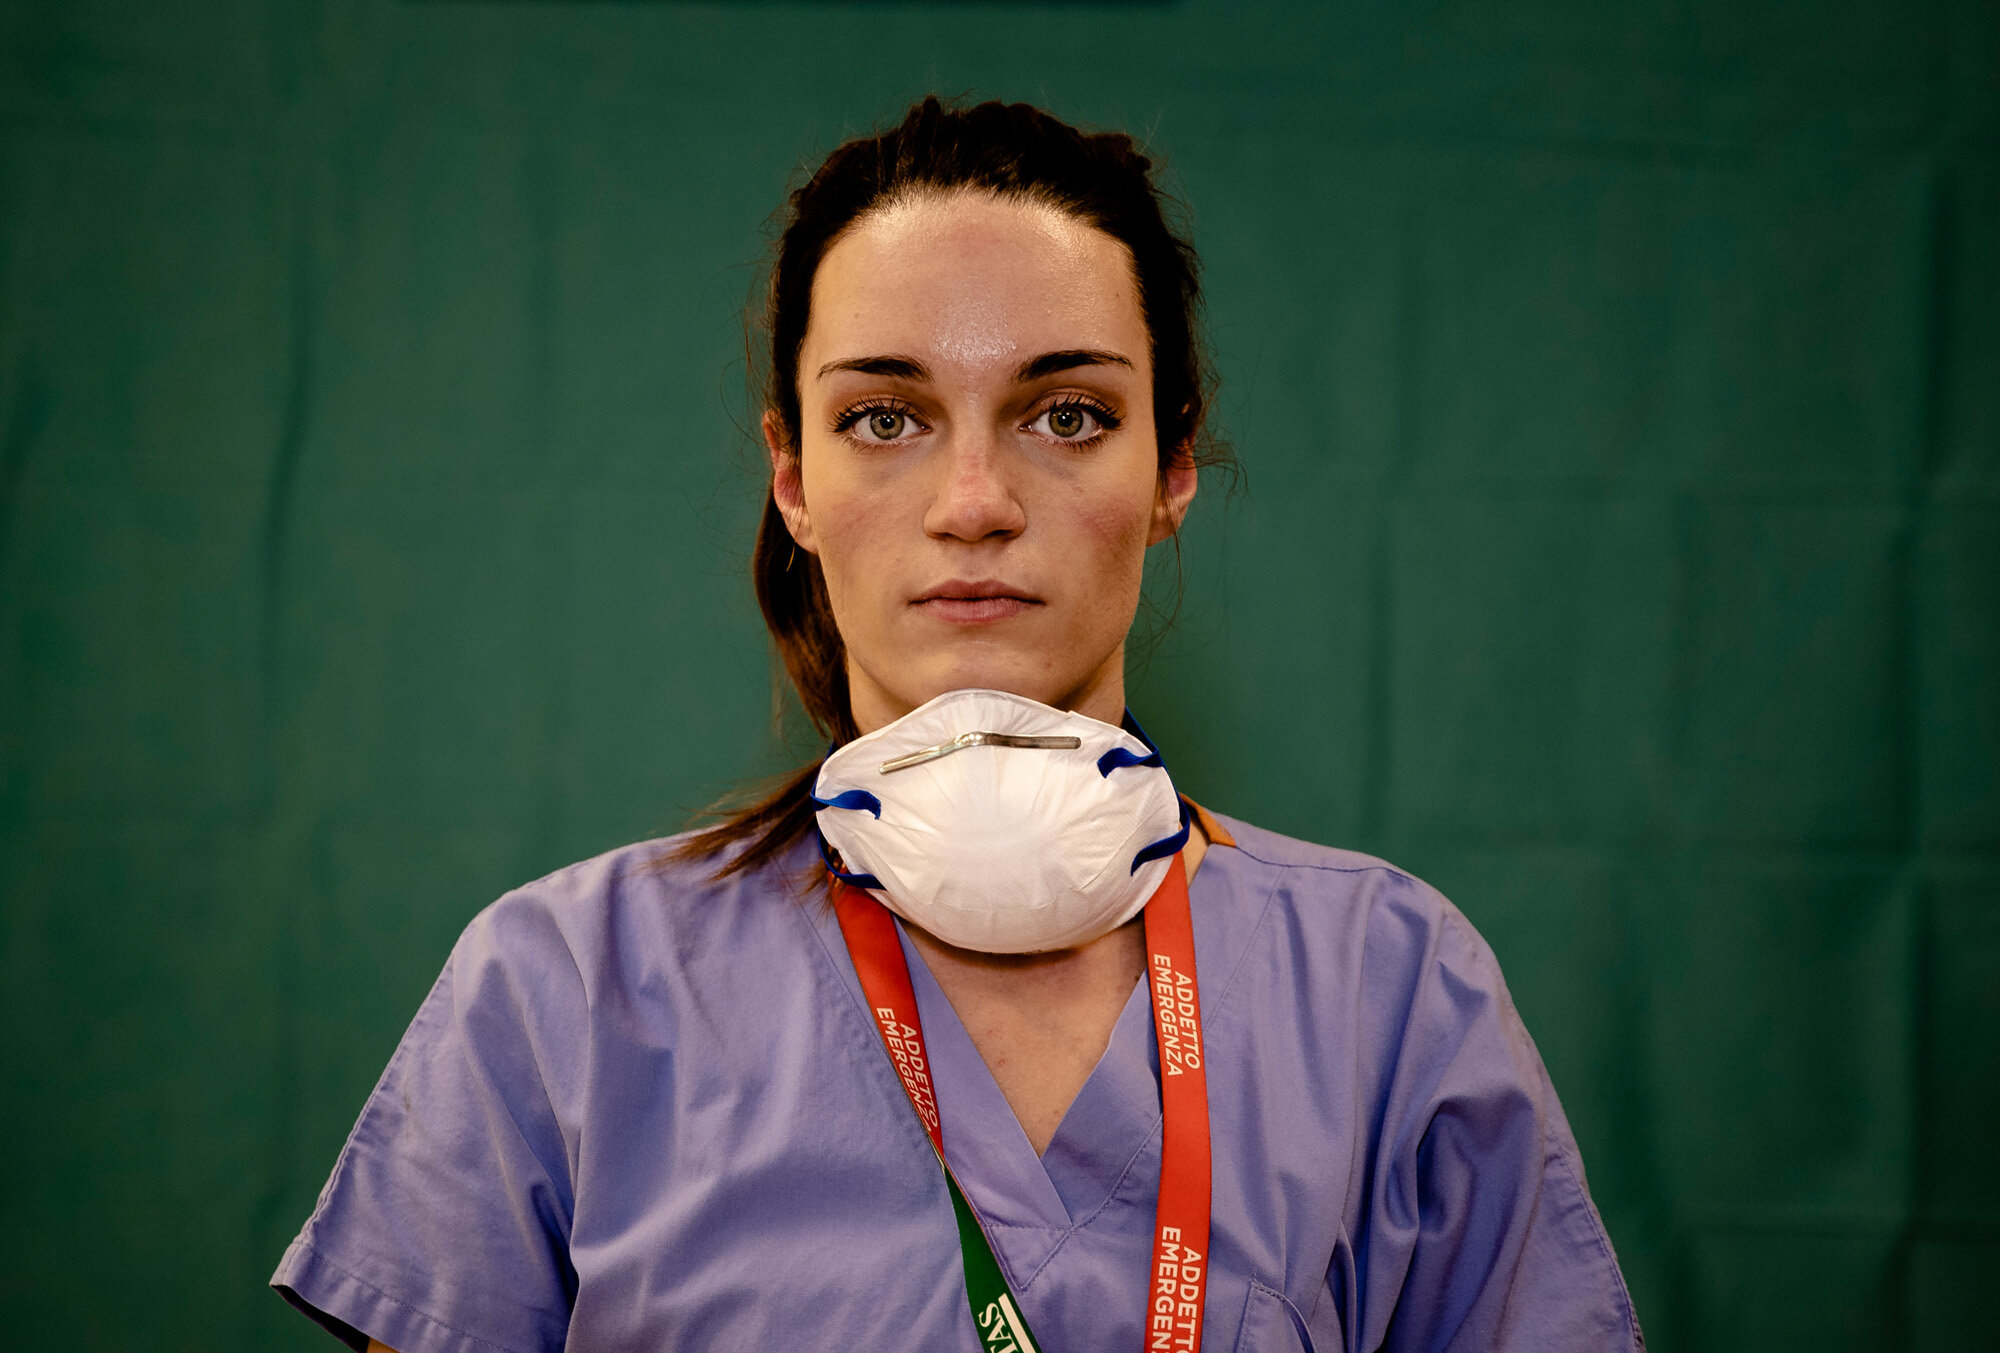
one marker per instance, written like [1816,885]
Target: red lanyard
[1179,1276]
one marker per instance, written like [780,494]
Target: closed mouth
[980,591]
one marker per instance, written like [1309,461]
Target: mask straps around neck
[1118,758]
[833,868]
[861,801]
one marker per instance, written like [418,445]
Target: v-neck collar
[1106,1150]
[988,1149]
[1031,1203]
[1105,1155]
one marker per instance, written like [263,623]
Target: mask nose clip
[964,740]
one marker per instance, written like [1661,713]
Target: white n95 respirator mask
[999,824]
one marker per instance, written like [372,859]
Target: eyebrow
[910,369]
[898,368]
[1049,363]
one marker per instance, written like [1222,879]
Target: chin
[1020,676]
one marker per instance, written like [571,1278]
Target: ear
[1177,486]
[787,485]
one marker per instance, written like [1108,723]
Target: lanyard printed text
[906,1049]
[1001,1328]
[1178,1017]
[1176,1319]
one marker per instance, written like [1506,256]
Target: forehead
[970,278]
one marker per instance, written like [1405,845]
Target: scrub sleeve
[444,1227]
[1481,1233]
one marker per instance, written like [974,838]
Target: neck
[1042,1021]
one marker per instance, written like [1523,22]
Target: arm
[1483,1235]
[446,1219]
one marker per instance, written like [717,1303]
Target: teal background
[1620,392]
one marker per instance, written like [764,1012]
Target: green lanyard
[994,1309]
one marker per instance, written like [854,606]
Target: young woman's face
[977,467]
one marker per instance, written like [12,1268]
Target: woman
[1246,1093]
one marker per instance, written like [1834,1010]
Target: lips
[975,602]
[975,591]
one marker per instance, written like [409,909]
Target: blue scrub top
[642,1110]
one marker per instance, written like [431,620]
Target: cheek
[855,533]
[851,558]
[831,502]
[1117,531]
[1110,541]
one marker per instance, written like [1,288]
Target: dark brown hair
[1015,150]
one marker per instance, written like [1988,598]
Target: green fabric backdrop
[1620,391]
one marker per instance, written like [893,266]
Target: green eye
[886,424]
[1079,422]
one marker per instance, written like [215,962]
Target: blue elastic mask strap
[852,798]
[1118,758]
[859,800]
[1166,846]
[1131,725]
[851,880]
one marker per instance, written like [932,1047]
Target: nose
[975,499]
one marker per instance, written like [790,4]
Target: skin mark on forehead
[895,367]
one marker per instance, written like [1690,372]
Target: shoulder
[1323,870]
[634,916]
[1345,925]
[1325,885]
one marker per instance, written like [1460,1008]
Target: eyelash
[845,420]
[1108,422]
